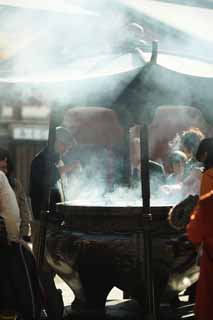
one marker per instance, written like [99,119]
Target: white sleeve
[9,209]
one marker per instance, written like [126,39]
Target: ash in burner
[90,189]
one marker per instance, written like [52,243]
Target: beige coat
[25,213]
[9,209]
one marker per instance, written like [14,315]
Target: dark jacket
[39,185]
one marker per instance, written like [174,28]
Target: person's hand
[76,165]
[71,168]
[26,238]
[25,244]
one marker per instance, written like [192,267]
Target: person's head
[6,164]
[205,152]
[190,140]
[64,140]
[177,161]
[3,160]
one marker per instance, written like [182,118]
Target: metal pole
[146,223]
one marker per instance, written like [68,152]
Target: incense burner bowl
[97,248]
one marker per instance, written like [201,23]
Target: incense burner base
[94,261]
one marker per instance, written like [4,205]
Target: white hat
[64,136]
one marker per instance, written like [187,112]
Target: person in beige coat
[25,213]
[6,166]
[9,209]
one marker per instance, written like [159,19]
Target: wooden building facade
[23,132]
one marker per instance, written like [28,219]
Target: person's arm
[70,168]
[195,228]
[9,208]
[200,226]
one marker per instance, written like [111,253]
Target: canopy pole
[147,223]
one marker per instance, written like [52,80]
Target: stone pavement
[117,308]
[68,295]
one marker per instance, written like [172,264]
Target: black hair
[191,138]
[206,147]
[3,154]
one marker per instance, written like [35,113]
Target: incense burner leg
[93,263]
[79,263]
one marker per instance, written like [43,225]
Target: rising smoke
[65,53]
[81,190]
[73,53]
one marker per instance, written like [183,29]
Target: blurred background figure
[7,167]
[156,170]
[177,162]
[189,141]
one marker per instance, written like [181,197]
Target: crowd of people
[186,171]
[191,172]
[182,176]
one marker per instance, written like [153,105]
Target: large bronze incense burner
[99,247]
[88,218]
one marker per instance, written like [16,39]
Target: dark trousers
[54,302]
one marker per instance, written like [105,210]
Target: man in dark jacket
[38,177]
[39,202]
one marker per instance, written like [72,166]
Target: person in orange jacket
[200,232]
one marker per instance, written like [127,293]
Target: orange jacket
[200,230]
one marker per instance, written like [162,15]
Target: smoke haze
[54,51]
